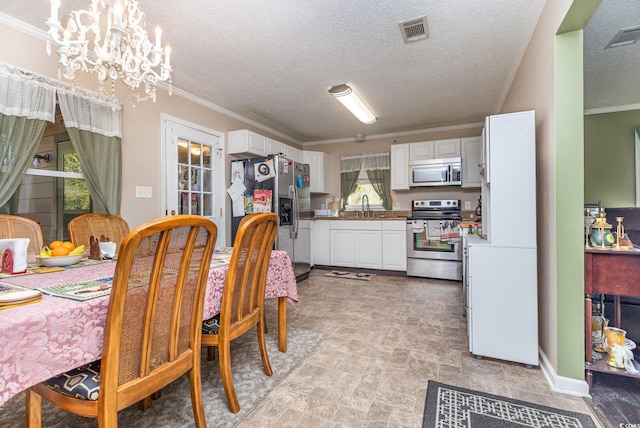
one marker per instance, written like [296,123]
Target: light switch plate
[143,192]
[467,205]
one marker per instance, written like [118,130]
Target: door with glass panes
[193,167]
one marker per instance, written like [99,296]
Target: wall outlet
[143,192]
[467,205]
[396,206]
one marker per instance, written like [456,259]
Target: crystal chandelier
[110,39]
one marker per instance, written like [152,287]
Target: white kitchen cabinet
[394,245]
[275,147]
[437,149]
[318,170]
[400,166]
[370,244]
[293,154]
[246,143]
[446,148]
[321,240]
[368,252]
[342,248]
[471,158]
[421,150]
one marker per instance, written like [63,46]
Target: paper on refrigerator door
[264,170]
[237,171]
[236,190]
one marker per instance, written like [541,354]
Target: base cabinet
[320,243]
[367,244]
[394,245]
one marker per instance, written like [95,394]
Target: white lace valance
[376,161]
[366,162]
[350,163]
[90,114]
[25,94]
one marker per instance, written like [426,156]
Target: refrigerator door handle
[296,217]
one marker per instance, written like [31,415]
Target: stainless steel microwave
[435,172]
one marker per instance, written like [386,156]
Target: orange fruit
[55,244]
[60,250]
[68,245]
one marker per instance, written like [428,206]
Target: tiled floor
[384,339]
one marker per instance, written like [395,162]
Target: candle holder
[619,232]
[588,221]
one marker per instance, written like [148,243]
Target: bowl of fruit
[60,253]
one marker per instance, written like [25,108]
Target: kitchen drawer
[356,225]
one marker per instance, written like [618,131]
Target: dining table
[56,334]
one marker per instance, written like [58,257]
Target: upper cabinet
[318,170]
[293,154]
[400,166]
[435,149]
[471,161]
[245,142]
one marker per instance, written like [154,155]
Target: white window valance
[366,162]
[25,94]
[376,161]
[90,114]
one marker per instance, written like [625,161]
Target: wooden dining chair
[242,305]
[13,226]
[153,326]
[83,227]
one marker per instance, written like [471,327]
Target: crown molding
[614,109]
[399,134]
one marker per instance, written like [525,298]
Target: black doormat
[615,399]
[450,406]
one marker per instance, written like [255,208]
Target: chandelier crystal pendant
[110,40]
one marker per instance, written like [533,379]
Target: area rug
[363,276]
[450,406]
[173,408]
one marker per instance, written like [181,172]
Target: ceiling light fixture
[110,39]
[353,103]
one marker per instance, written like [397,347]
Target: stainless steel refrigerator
[277,184]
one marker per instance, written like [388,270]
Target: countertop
[375,215]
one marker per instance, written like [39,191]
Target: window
[364,187]
[54,191]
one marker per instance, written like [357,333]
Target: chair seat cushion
[82,383]
[212,325]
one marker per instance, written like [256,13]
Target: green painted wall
[569,203]
[609,158]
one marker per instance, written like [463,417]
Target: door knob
[173,212]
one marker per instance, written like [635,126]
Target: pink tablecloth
[40,340]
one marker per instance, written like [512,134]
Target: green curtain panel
[349,170]
[94,127]
[19,140]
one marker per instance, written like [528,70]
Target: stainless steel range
[433,239]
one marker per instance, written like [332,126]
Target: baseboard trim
[562,384]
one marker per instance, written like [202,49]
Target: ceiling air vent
[414,29]
[626,36]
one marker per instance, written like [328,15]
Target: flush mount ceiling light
[110,40]
[353,103]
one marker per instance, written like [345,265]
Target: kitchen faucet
[368,208]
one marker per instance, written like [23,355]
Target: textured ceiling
[273,62]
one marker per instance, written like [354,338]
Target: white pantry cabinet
[400,166]
[318,170]
[471,154]
[245,142]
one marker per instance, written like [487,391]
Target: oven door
[424,241]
